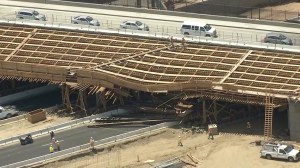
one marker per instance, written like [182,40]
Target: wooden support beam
[236,66]
[65,89]
[100,100]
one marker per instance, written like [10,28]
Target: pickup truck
[8,111]
[280,151]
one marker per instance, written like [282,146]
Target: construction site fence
[65,125]
[99,144]
[161,32]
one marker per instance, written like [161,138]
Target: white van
[197,29]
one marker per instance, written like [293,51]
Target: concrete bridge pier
[294,119]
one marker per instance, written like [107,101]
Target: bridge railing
[237,39]
[99,144]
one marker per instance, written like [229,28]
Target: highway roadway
[168,25]
[69,138]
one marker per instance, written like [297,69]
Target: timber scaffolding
[116,64]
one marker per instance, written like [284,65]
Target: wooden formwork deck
[144,64]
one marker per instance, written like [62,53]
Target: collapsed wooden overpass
[101,62]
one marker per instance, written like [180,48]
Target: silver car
[85,20]
[30,14]
[8,111]
[134,25]
[277,38]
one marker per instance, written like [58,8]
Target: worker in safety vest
[51,149]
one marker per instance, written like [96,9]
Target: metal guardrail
[101,143]
[69,124]
[158,35]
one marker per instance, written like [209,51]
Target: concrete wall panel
[294,119]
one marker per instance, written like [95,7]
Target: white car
[85,20]
[197,29]
[8,111]
[30,14]
[134,25]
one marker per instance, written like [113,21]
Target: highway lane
[70,138]
[167,27]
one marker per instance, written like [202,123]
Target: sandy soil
[277,12]
[226,151]
[24,126]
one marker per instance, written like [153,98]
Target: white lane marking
[51,143]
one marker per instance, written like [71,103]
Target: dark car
[277,38]
[26,140]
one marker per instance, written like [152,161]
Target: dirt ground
[276,12]
[24,126]
[226,151]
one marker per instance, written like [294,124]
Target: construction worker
[51,149]
[172,42]
[53,142]
[51,134]
[179,141]
[183,43]
[92,141]
[248,127]
[57,145]
[210,134]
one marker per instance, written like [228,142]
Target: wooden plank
[21,44]
[24,67]
[9,65]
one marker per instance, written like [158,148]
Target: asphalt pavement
[68,139]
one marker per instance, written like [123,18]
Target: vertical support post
[65,93]
[259,13]
[204,117]
[285,15]
[121,100]
[100,100]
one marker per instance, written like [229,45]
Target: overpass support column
[65,93]
[293,119]
[204,112]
